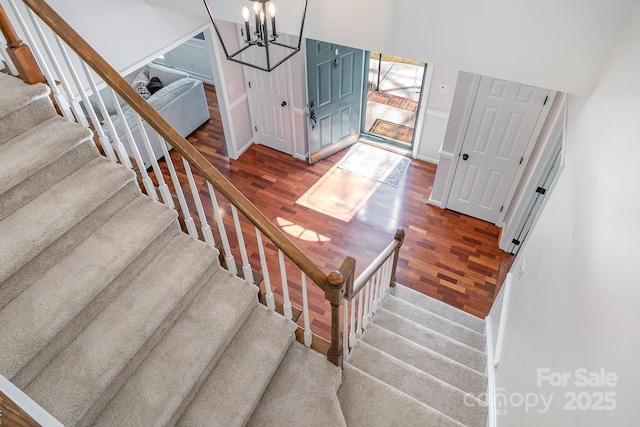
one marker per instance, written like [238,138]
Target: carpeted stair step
[166,381]
[38,158]
[435,322]
[301,393]
[77,385]
[60,303]
[454,373]
[462,353]
[49,216]
[438,307]
[422,386]
[367,401]
[59,249]
[237,382]
[22,106]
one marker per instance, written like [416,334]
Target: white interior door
[269,99]
[501,125]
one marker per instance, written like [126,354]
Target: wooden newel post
[399,236]
[334,292]
[20,54]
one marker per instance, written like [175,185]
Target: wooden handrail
[179,143]
[19,53]
[353,287]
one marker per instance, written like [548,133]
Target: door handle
[465,157]
[284,103]
[312,118]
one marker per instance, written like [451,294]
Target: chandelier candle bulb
[245,16]
[256,10]
[263,32]
[272,13]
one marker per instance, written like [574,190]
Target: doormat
[392,130]
[375,163]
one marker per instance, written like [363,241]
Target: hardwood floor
[446,255]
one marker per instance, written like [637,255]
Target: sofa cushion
[170,92]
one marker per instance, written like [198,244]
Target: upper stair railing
[220,225]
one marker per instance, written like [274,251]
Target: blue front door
[334,79]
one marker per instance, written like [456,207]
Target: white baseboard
[491,375]
[434,202]
[428,159]
[244,148]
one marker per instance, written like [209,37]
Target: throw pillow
[154,85]
[144,91]
[141,77]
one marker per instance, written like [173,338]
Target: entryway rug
[392,130]
[375,163]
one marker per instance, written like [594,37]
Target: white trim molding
[490,396]
[28,405]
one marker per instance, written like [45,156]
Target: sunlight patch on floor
[300,232]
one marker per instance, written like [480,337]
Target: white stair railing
[181,174]
[363,298]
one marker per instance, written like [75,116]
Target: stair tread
[164,382]
[454,373]
[26,154]
[431,339]
[435,322]
[16,94]
[438,307]
[85,375]
[420,385]
[49,216]
[74,281]
[367,401]
[290,390]
[234,387]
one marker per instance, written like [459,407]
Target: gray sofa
[181,102]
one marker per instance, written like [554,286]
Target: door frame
[419,120]
[556,125]
[527,154]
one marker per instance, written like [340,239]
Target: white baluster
[229,259]
[376,289]
[83,94]
[360,328]
[372,292]
[191,227]
[345,341]
[265,272]
[7,60]
[246,267]
[51,81]
[70,97]
[365,313]
[352,332]
[162,186]
[305,310]
[285,288]
[104,139]
[204,225]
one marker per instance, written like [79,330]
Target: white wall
[576,305]
[436,113]
[556,44]
[127,32]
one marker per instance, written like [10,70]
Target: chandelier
[261,49]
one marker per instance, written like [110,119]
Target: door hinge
[249,85]
[546,98]
[515,242]
[541,190]
[256,128]
[501,208]
[521,159]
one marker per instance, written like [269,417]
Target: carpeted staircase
[110,315]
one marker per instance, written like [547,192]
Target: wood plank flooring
[446,255]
